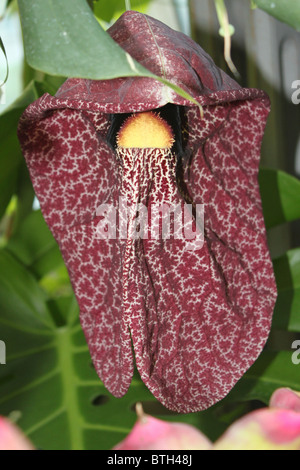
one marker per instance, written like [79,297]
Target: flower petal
[266,429]
[11,438]
[151,433]
[286,399]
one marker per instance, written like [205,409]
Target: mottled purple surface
[197,319]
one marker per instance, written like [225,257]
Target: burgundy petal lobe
[73,172]
[163,51]
[198,316]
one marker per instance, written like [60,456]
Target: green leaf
[25,196]
[272,370]
[105,11]
[10,158]
[34,245]
[287,11]
[50,84]
[287,309]
[63,38]
[10,152]
[22,300]
[280,193]
[109,9]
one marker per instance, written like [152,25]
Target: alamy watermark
[296,93]
[2,352]
[296,354]
[156,221]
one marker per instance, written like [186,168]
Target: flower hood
[197,319]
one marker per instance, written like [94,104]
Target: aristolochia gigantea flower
[198,315]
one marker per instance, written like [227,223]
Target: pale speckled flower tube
[197,319]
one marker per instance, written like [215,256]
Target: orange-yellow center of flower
[145,130]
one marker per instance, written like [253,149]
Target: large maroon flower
[197,318]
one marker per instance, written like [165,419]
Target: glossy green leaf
[287,309]
[63,38]
[280,193]
[287,11]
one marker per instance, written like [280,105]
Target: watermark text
[296,93]
[296,354]
[157,221]
[2,352]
